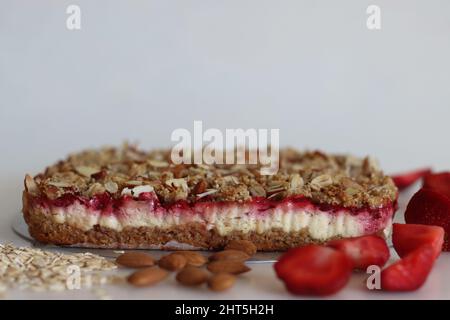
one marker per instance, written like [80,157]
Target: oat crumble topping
[327,179]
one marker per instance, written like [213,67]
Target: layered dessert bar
[128,198]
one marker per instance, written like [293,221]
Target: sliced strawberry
[363,251]
[404,180]
[409,237]
[439,182]
[430,208]
[314,270]
[410,272]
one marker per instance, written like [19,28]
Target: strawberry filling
[109,205]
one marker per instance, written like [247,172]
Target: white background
[139,69]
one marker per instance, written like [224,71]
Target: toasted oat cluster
[326,179]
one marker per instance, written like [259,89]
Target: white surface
[137,70]
[260,283]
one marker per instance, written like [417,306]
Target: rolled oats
[37,270]
[296,181]
[31,185]
[178,183]
[321,181]
[257,191]
[86,171]
[111,187]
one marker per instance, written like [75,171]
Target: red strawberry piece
[430,208]
[439,182]
[404,180]
[314,270]
[409,237]
[363,251]
[410,272]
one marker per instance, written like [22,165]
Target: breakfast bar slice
[128,198]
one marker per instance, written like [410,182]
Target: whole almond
[192,276]
[193,258]
[221,281]
[173,262]
[135,260]
[228,266]
[229,255]
[147,277]
[244,245]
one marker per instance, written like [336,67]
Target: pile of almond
[220,273]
